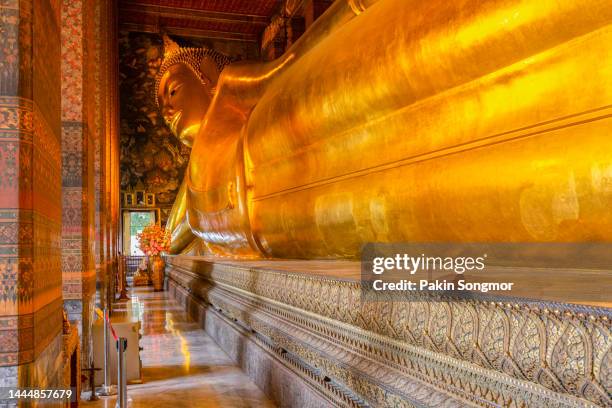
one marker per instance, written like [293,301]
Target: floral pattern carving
[541,354]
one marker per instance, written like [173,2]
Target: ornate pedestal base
[140,278]
[301,332]
[157,272]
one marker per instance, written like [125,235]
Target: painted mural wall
[152,159]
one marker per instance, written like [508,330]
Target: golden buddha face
[184,99]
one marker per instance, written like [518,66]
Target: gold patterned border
[529,350]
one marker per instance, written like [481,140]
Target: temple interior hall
[305,203]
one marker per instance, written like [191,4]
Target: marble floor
[181,364]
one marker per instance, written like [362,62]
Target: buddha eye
[173,88]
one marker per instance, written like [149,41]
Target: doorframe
[156,211]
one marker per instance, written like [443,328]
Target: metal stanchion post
[121,373]
[106,389]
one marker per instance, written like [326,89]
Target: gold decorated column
[30,195]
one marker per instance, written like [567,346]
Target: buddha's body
[413,121]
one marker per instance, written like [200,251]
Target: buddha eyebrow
[166,88]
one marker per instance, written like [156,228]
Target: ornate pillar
[99,159]
[30,194]
[294,17]
[295,29]
[78,134]
[112,188]
[274,38]
[313,9]
[106,149]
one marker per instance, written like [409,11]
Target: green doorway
[133,223]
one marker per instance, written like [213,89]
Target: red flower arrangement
[153,240]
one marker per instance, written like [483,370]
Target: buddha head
[185,85]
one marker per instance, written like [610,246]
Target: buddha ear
[208,68]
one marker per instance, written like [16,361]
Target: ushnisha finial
[170,46]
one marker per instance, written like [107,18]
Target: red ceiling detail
[249,7]
[143,18]
[245,18]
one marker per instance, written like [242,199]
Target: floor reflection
[181,365]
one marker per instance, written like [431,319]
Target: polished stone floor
[181,365]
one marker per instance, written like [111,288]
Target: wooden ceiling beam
[188,32]
[131,6]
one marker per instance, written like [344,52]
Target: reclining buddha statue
[399,120]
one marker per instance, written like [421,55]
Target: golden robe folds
[397,120]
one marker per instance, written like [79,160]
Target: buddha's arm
[177,222]
[242,84]
[216,171]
